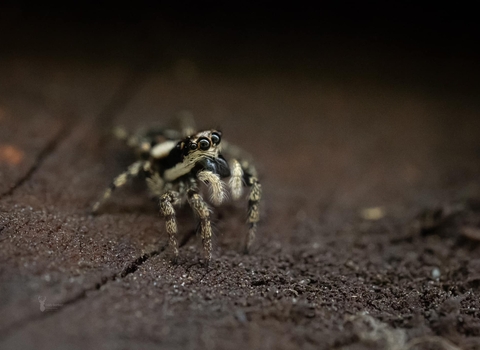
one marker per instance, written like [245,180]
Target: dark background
[295,36]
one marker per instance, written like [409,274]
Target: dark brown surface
[329,146]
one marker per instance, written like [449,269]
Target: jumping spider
[176,161]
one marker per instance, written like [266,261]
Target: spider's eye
[204,144]
[193,146]
[215,138]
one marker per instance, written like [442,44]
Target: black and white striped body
[174,167]
[173,160]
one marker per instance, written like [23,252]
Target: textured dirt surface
[370,237]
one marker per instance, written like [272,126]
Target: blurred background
[265,37]
[360,102]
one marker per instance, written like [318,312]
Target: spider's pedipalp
[215,185]
[119,181]
[167,201]
[201,209]
[236,182]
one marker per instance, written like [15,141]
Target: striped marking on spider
[176,162]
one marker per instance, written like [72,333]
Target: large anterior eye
[204,144]
[215,138]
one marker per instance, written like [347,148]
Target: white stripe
[163,149]
[188,164]
[178,170]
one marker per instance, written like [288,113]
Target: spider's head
[204,143]
[200,151]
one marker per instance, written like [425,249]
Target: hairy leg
[253,207]
[132,171]
[241,156]
[167,201]
[243,160]
[201,209]
[136,141]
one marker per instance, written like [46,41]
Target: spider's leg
[244,158]
[201,209]
[132,171]
[167,201]
[215,185]
[132,140]
[120,133]
[251,180]
[253,208]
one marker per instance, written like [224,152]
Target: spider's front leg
[132,171]
[201,209]
[241,171]
[167,201]
[253,208]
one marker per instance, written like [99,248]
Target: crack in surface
[104,119]
[134,265]
[44,153]
[119,100]
[129,269]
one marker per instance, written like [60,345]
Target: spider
[175,162]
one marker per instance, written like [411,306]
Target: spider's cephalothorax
[174,163]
